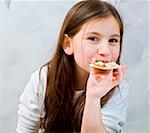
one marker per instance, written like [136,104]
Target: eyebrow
[115,35]
[96,33]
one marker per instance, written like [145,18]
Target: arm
[107,119]
[97,87]
[112,116]
[92,118]
[29,111]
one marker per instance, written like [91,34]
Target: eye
[92,38]
[113,40]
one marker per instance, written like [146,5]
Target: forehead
[108,25]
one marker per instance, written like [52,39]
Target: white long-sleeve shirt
[31,107]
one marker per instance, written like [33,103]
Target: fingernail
[125,66]
[97,77]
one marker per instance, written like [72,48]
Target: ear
[67,45]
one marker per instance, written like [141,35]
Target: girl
[66,94]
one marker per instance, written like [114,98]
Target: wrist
[94,96]
[92,100]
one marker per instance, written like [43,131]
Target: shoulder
[114,111]
[40,73]
[123,90]
[39,78]
[120,95]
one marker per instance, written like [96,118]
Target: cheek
[115,53]
[89,52]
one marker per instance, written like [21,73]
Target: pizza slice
[104,65]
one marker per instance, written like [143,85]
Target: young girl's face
[97,39]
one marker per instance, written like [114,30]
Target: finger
[122,71]
[115,83]
[116,74]
[94,76]
[93,59]
[124,68]
[109,76]
[116,77]
[97,76]
[92,70]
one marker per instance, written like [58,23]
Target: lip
[104,59]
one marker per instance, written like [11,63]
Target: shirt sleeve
[29,109]
[115,111]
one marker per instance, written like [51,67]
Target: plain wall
[28,34]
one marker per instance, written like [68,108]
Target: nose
[103,49]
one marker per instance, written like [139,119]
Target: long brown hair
[61,113]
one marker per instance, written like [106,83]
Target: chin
[87,69]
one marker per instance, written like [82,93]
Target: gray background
[28,33]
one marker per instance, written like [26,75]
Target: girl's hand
[101,82]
